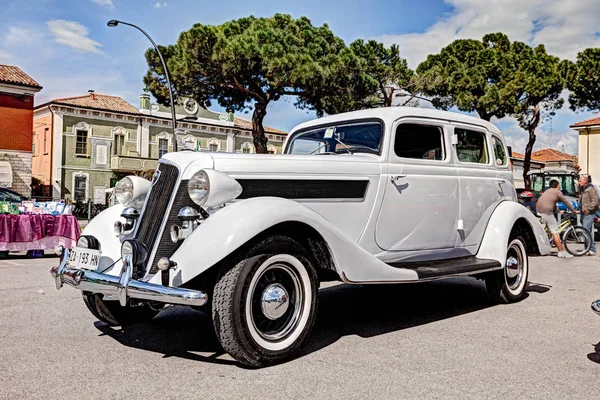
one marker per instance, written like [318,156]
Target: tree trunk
[484,115]
[531,127]
[258,131]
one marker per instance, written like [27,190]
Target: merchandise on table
[36,207]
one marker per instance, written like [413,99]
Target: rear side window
[471,146]
[499,152]
[422,142]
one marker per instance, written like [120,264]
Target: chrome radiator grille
[166,247]
[155,209]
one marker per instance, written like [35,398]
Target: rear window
[499,152]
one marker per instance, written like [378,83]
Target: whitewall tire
[509,284]
[264,306]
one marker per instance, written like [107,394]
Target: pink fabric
[27,231]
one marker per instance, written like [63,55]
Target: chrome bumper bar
[123,286]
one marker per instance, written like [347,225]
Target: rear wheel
[508,285]
[113,314]
[264,306]
[577,240]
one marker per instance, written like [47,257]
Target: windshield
[362,137]
[566,183]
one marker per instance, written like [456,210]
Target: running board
[452,267]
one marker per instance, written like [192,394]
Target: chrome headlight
[88,242]
[199,187]
[131,191]
[210,188]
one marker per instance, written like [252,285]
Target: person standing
[589,206]
[546,206]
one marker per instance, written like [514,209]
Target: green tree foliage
[247,63]
[583,80]
[470,75]
[495,78]
[386,68]
[537,83]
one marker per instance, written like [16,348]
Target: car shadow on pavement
[363,310]
[595,356]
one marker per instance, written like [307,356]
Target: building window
[81,143]
[246,150]
[79,189]
[33,149]
[213,147]
[271,149]
[119,145]
[163,147]
[45,140]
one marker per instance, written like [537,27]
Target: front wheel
[577,240]
[265,305]
[509,284]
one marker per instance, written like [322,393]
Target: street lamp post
[112,23]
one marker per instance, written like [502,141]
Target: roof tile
[14,75]
[587,122]
[98,102]
[544,155]
[245,124]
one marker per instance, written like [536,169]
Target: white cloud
[158,4]
[20,37]
[565,27]
[105,3]
[74,35]
[546,137]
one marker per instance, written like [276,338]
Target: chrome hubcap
[274,301]
[277,299]
[514,267]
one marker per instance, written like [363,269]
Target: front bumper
[123,286]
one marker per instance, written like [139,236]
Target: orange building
[17,90]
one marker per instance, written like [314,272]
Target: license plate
[80,257]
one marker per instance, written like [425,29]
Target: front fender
[500,225]
[228,229]
[101,227]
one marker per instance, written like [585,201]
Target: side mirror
[509,148]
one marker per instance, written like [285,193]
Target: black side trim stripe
[303,188]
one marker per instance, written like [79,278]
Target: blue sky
[66,46]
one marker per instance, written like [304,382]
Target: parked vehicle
[11,196]
[567,182]
[390,195]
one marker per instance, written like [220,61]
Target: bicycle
[576,239]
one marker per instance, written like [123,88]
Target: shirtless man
[546,205]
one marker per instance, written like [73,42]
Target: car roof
[390,114]
[10,191]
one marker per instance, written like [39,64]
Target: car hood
[275,165]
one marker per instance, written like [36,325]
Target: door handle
[395,178]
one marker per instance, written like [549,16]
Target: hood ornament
[155,177]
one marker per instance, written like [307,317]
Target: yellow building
[589,147]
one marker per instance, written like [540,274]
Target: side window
[499,153]
[422,142]
[471,146]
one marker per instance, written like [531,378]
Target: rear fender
[503,220]
[231,227]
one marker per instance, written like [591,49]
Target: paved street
[434,340]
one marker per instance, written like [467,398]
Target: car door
[480,188]
[420,205]
[503,172]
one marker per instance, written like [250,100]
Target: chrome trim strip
[435,278]
[123,286]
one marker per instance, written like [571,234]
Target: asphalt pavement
[438,340]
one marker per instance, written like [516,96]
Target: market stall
[34,227]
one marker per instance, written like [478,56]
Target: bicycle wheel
[577,240]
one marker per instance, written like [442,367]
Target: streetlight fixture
[112,23]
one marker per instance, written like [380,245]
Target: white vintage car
[390,195]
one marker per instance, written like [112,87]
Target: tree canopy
[386,68]
[471,75]
[583,80]
[247,63]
